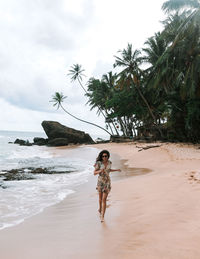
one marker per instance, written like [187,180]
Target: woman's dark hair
[99,158]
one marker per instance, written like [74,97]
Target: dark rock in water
[58,142]
[2,186]
[27,174]
[22,142]
[19,141]
[16,175]
[47,171]
[40,141]
[39,171]
[55,130]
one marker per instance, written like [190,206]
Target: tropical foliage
[156,90]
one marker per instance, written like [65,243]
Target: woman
[103,168]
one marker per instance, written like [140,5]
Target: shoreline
[54,224]
[155,213]
[162,208]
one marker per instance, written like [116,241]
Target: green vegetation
[156,92]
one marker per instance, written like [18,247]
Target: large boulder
[40,141]
[56,142]
[64,135]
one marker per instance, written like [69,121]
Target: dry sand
[150,215]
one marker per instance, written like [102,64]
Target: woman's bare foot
[102,218]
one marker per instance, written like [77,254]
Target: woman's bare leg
[104,198]
[100,201]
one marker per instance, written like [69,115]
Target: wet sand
[153,214]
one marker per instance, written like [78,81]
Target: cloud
[40,40]
[15,118]
[102,68]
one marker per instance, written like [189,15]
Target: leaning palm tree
[178,5]
[132,74]
[157,74]
[76,72]
[187,12]
[188,8]
[59,98]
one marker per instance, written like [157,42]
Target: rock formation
[40,141]
[60,135]
[22,142]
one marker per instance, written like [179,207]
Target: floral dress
[103,183]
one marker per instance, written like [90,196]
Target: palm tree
[175,68]
[59,98]
[188,8]
[156,45]
[177,5]
[110,79]
[130,61]
[98,93]
[178,67]
[158,73]
[187,13]
[76,72]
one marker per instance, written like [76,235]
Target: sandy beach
[153,211]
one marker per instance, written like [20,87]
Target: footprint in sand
[194,177]
[191,175]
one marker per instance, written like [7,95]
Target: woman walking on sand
[103,169]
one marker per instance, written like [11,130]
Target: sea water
[25,198]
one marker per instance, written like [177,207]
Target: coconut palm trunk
[93,124]
[58,99]
[149,109]
[76,72]
[130,61]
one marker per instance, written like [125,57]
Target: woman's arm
[98,171]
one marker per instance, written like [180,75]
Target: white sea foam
[29,152]
[18,215]
[7,225]
[23,199]
[20,200]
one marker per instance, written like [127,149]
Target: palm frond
[57,99]
[176,5]
[76,72]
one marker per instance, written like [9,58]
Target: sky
[42,39]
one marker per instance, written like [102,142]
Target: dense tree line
[156,92]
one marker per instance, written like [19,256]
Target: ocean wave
[29,152]
[22,199]
[22,208]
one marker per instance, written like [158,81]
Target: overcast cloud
[41,39]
